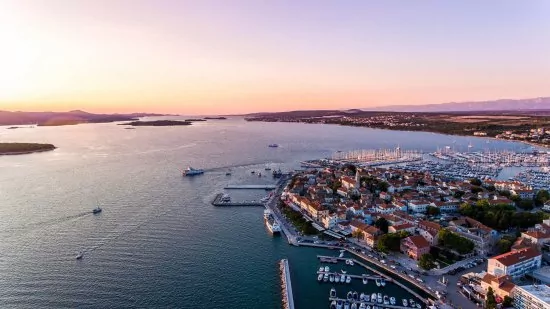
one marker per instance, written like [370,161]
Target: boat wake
[44,224]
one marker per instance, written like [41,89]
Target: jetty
[218,202]
[251,187]
[288,299]
[387,277]
[368,303]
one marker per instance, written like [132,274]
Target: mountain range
[63,118]
[532,104]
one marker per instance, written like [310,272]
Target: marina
[221,201]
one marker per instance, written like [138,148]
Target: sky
[237,56]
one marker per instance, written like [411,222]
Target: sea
[159,243]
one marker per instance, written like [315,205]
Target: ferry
[379,298]
[346,305]
[97,210]
[327,269]
[192,172]
[271,222]
[411,301]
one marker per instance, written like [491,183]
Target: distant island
[157,123]
[64,118]
[195,119]
[215,118]
[24,148]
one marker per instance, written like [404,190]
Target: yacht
[331,278]
[353,306]
[373,297]
[392,300]
[362,306]
[333,305]
[332,293]
[192,172]
[367,297]
[97,210]
[382,282]
[365,280]
[349,296]
[355,295]
[321,269]
[348,279]
[327,268]
[386,300]
[377,282]
[80,255]
[325,277]
[405,303]
[346,305]
[342,278]
[339,304]
[320,277]
[362,296]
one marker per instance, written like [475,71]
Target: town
[481,238]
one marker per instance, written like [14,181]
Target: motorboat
[333,305]
[347,262]
[339,304]
[80,255]
[192,172]
[253,172]
[348,279]
[337,278]
[321,269]
[386,300]
[349,296]
[320,277]
[327,269]
[341,254]
[228,174]
[343,271]
[325,277]
[351,262]
[331,278]
[367,297]
[418,306]
[97,210]
[362,296]
[355,296]
[332,293]
[273,145]
[392,300]
[382,282]
[377,282]
[405,303]
[373,297]
[379,298]
[342,278]
[365,280]
[362,306]
[353,306]
[346,305]
[368,307]
[411,301]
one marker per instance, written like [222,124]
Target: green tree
[382,224]
[357,234]
[542,197]
[432,211]
[426,261]
[507,302]
[391,242]
[476,189]
[454,241]
[459,193]
[383,186]
[525,204]
[491,302]
[475,182]
[503,245]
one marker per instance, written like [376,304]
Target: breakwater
[288,299]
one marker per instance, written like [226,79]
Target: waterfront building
[516,263]
[532,297]
[414,246]
[502,285]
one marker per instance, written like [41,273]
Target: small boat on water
[348,279]
[377,282]
[362,296]
[379,298]
[355,296]
[273,145]
[321,268]
[373,297]
[327,269]
[339,304]
[331,278]
[362,306]
[418,306]
[342,278]
[386,300]
[333,305]
[320,277]
[368,307]
[192,172]
[382,282]
[365,280]
[341,253]
[367,297]
[332,293]
[346,305]
[392,300]
[411,302]
[405,303]
[325,277]
[349,296]
[353,306]
[337,278]
[97,210]
[80,255]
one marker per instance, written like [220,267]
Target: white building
[516,263]
[532,297]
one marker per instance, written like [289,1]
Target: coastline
[25,152]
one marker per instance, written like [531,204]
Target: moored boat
[342,278]
[392,300]
[325,277]
[327,268]
[333,305]
[337,278]
[365,280]
[382,282]
[332,292]
[377,282]
[355,295]
[349,296]
[348,279]
[192,172]
[331,278]
[353,306]
[320,277]
[405,303]
[97,210]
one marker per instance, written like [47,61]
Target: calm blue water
[159,242]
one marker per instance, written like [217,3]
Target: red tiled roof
[418,241]
[514,257]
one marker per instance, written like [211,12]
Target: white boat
[333,305]
[331,278]
[353,306]
[386,300]
[343,271]
[355,296]
[347,262]
[321,269]
[362,296]
[368,307]
[411,301]
[192,172]
[418,306]
[392,300]
[365,280]
[332,293]
[342,278]
[226,199]
[367,297]
[349,296]
[325,277]
[373,297]
[348,279]
[80,255]
[337,278]
[346,305]
[405,303]
[341,254]
[382,282]
[339,304]
[362,306]
[379,298]
[377,282]
[327,269]
[320,277]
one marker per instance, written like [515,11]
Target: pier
[370,277]
[217,202]
[288,299]
[251,187]
[368,303]
[387,278]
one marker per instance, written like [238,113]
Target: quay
[217,202]
[387,278]
[368,303]
[288,299]
[355,276]
[250,187]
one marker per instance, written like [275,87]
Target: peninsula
[157,123]
[215,118]
[24,148]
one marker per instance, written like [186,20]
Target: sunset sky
[233,56]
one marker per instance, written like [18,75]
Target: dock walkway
[266,187]
[368,303]
[217,202]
